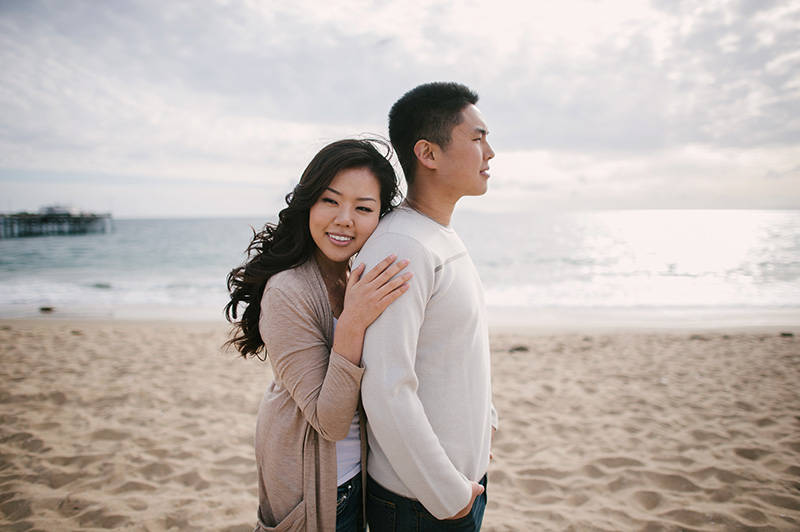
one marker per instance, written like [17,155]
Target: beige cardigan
[307,407]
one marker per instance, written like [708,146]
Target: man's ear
[425,152]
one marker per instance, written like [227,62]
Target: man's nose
[489,153]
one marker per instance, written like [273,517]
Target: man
[427,385]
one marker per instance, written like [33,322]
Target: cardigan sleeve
[323,383]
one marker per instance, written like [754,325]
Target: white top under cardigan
[348,450]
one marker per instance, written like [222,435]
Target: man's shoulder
[406,222]
[399,219]
[402,230]
[410,234]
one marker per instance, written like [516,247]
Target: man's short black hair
[430,112]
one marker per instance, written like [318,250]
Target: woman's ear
[425,152]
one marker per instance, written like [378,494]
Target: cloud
[244,91]
[721,73]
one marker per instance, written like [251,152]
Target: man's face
[464,165]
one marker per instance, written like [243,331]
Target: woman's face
[345,214]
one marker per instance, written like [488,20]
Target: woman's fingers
[382,284]
[385,269]
[369,293]
[380,268]
[396,291]
[355,275]
[391,271]
[398,282]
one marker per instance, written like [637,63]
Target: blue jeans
[349,510]
[389,512]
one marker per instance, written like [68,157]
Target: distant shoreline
[501,319]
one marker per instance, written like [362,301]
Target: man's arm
[397,419]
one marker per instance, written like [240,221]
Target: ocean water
[739,267]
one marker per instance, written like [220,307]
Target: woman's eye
[365,209]
[329,200]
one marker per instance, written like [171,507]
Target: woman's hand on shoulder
[368,294]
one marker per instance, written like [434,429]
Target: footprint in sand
[56,479]
[723,475]
[647,499]
[192,480]
[793,470]
[751,454]
[26,441]
[751,515]
[544,472]
[672,482]
[236,462]
[156,470]
[111,434]
[15,509]
[71,506]
[618,461]
[535,486]
[137,505]
[790,503]
[135,486]
[100,519]
[692,518]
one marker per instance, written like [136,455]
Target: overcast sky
[162,108]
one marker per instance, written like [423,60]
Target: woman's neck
[334,276]
[329,269]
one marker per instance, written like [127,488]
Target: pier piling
[28,224]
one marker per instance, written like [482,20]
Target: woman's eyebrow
[365,198]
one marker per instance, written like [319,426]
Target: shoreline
[523,320]
[555,321]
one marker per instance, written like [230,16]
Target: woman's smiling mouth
[340,239]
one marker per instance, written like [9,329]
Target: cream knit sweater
[427,385]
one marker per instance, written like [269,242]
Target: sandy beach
[142,426]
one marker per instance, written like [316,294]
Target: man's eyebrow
[482,131]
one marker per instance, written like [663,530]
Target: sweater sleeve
[396,416]
[323,383]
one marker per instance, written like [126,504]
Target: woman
[308,313]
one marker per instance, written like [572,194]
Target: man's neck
[439,211]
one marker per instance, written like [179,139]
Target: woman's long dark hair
[288,243]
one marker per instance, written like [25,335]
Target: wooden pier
[61,223]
